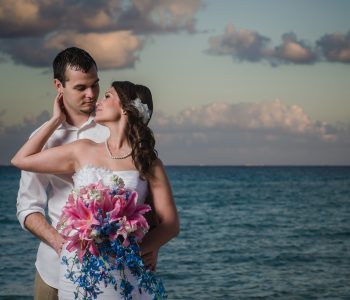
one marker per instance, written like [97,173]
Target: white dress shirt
[38,191]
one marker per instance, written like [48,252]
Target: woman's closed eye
[108,94]
[104,98]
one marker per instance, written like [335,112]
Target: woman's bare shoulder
[85,142]
[157,164]
[157,169]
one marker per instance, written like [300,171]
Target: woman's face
[109,108]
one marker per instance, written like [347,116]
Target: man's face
[81,91]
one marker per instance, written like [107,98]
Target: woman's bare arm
[54,160]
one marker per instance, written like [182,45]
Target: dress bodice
[91,174]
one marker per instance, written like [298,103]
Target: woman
[128,152]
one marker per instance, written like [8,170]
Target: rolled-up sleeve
[32,196]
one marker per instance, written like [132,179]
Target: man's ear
[58,85]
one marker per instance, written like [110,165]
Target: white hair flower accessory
[143,109]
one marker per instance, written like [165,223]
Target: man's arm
[31,203]
[37,224]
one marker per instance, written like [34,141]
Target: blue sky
[234,82]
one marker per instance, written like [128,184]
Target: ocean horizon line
[243,165]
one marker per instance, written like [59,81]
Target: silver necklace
[116,157]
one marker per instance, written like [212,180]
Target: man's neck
[77,120]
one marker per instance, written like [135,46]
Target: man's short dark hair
[73,57]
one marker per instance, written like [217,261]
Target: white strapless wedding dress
[83,177]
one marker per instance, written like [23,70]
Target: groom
[75,76]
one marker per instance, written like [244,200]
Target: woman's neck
[117,139]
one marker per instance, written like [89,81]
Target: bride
[128,152]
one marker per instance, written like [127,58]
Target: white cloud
[243,44]
[263,115]
[268,132]
[23,11]
[336,47]
[170,14]
[110,50]
[249,45]
[29,27]
[12,137]
[294,50]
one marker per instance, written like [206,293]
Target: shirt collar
[66,126]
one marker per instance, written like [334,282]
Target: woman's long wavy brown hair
[139,135]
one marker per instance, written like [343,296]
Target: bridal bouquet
[104,224]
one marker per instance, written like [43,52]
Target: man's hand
[150,259]
[37,224]
[57,242]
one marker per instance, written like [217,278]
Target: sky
[234,82]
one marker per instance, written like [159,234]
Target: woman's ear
[123,112]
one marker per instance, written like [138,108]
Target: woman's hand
[59,112]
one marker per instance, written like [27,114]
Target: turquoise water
[246,233]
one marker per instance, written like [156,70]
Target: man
[75,76]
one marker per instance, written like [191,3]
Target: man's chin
[87,111]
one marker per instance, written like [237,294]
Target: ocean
[246,233]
